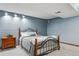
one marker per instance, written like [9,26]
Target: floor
[18,51]
[66,50]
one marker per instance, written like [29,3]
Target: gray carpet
[18,51]
[66,50]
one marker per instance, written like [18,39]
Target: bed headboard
[27,30]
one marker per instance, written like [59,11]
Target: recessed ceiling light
[6,14]
[23,16]
[15,15]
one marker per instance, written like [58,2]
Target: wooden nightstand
[8,42]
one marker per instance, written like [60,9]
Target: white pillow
[23,34]
[27,33]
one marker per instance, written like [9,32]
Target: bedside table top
[7,37]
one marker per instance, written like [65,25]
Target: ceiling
[41,10]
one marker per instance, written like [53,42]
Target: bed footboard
[46,46]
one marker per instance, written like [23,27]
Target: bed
[38,45]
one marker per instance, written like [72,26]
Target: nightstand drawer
[8,41]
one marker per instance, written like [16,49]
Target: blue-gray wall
[68,29]
[10,25]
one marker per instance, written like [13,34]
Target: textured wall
[10,25]
[68,29]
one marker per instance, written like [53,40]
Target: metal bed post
[35,48]
[19,34]
[58,42]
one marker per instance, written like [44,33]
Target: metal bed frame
[42,48]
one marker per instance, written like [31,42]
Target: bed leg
[35,48]
[58,42]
